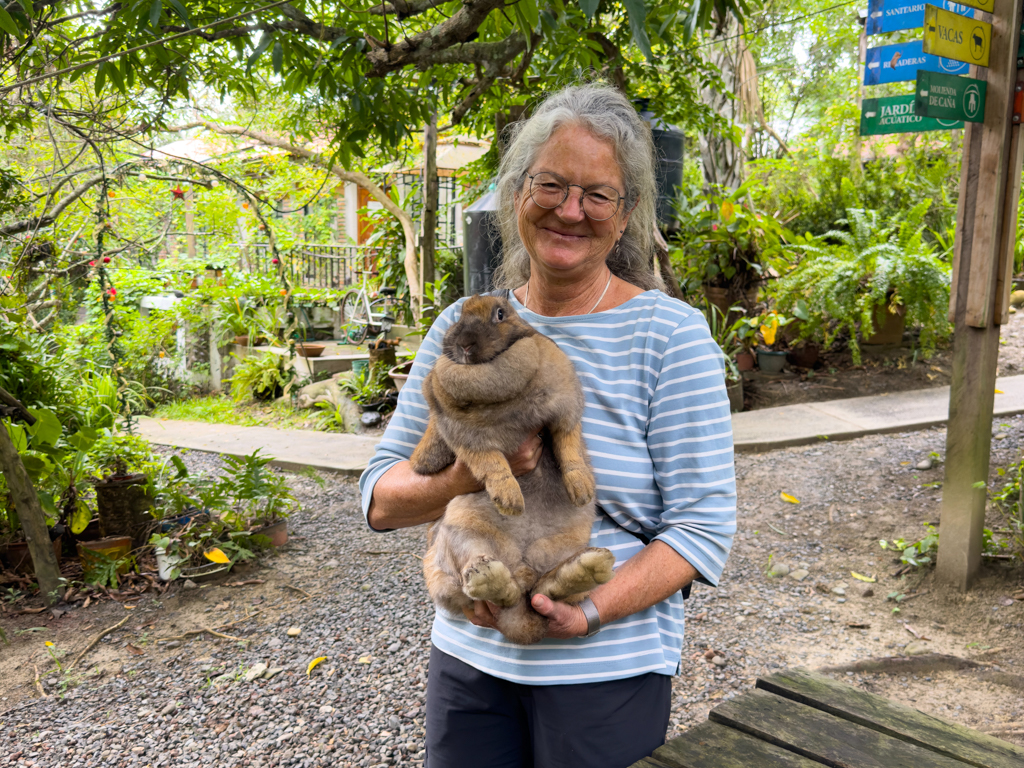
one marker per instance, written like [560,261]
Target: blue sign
[899,62]
[894,15]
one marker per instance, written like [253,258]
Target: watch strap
[592,616]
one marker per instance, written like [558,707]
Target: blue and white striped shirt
[658,430]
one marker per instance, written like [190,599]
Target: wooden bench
[799,719]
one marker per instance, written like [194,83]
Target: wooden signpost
[979,298]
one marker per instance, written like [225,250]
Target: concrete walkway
[858,416]
[753,431]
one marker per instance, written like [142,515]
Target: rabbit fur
[497,382]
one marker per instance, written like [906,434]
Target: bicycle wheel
[354,320]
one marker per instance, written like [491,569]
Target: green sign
[950,97]
[895,114]
[956,37]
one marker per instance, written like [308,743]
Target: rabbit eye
[500,314]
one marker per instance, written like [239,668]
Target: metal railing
[311,265]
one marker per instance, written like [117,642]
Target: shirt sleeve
[690,441]
[409,421]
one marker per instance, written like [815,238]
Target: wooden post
[979,300]
[862,55]
[190,223]
[428,242]
[33,520]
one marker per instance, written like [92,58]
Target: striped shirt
[659,434]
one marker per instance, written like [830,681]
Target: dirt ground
[850,495]
[883,370]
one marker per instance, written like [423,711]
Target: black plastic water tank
[481,243]
[670,152]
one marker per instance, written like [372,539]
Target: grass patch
[217,409]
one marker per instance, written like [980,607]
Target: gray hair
[608,115]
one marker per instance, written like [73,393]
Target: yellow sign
[983,5]
[956,37]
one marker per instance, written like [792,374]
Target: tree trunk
[428,241]
[26,502]
[721,157]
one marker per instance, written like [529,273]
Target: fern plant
[846,274]
[261,376]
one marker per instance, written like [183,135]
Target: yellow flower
[49,644]
[768,331]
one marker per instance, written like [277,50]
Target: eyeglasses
[549,190]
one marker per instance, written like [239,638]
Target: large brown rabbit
[497,382]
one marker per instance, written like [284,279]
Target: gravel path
[207,701]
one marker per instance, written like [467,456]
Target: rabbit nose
[467,348]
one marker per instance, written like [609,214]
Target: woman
[577,201]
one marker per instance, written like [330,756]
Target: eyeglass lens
[549,190]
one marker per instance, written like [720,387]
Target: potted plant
[235,317]
[124,497]
[724,247]
[259,500]
[264,377]
[770,358]
[873,275]
[368,387]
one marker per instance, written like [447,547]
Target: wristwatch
[592,616]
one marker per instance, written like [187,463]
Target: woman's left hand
[564,621]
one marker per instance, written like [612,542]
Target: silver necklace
[600,298]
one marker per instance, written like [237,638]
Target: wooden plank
[820,736]
[711,745]
[1008,237]
[893,719]
[992,163]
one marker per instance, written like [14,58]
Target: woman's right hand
[525,459]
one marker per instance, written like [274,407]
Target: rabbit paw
[487,579]
[507,497]
[578,575]
[580,485]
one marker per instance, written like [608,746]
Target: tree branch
[37,222]
[434,45]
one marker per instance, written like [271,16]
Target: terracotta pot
[770,361]
[400,374]
[242,341]
[309,350]
[745,361]
[717,297]
[21,559]
[276,532]
[113,547]
[888,326]
[124,504]
[735,392]
[804,356]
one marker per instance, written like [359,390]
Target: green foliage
[847,273]
[263,376]
[723,242]
[919,553]
[257,495]
[366,385]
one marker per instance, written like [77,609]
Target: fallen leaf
[999,391]
[791,499]
[700,616]
[243,583]
[215,555]
[135,651]
[313,664]
[29,610]
[364,660]
[862,577]
[915,633]
[904,463]
[128,607]
[1006,601]
[222,607]
[858,625]
[88,600]
[1018,596]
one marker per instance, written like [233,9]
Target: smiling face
[563,242]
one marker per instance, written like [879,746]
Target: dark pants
[475,720]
